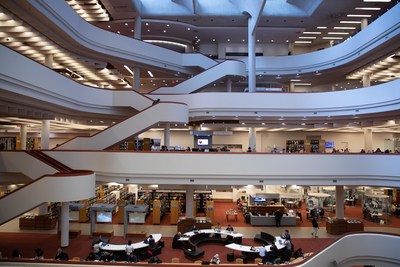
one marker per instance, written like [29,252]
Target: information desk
[121,247]
[186,236]
[270,220]
[279,243]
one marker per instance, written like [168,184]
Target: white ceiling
[194,22]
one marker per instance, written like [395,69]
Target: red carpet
[81,246]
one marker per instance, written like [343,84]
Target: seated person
[229,228]
[272,255]
[217,228]
[215,259]
[39,254]
[61,255]
[151,241]
[194,228]
[175,241]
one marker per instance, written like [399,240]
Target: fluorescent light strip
[311,32]
[368,8]
[344,28]
[332,38]
[338,33]
[303,84]
[350,22]
[321,27]
[302,42]
[128,69]
[307,37]
[358,16]
[150,73]
[381,1]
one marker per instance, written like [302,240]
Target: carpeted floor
[81,246]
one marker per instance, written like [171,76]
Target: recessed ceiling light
[126,24]
[188,29]
[147,24]
[167,25]
[229,40]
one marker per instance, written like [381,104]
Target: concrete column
[229,85]
[64,224]
[366,80]
[252,56]
[339,202]
[23,135]
[136,70]
[49,60]
[167,134]
[252,139]
[291,87]
[368,140]
[189,201]
[45,135]
[364,23]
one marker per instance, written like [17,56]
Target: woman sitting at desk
[215,259]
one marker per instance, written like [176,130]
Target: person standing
[129,249]
[278,216]
[315,227]
[262,253]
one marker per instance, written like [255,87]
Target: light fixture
[368,8]
[332,38]
[344,28]
[358,16]
[338,33]
[307,37]
[380,1]
[150,74]
[311,32]
[321,27]
[302,42]
[350,22]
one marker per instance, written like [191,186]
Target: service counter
[270,220]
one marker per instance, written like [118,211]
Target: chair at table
[239,261]
[175,260]
[258,260]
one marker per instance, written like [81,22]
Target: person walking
[315,227]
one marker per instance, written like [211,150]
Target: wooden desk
[231,214]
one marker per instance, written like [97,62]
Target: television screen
[329,144]
[259,199]
[74,215]
[103,216]
[202,142]
[137,217]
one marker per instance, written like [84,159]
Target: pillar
[167,134]
[45,135]
[366,80]
[189,201]
[291,87]
[252,55]
[368,140]
[23,135]
[229,85]
[64,224]
[49,60]
[364,23]
[339,202]
[136,70]
[252,139]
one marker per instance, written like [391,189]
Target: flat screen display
[329,144]
[74,215]
[103,216]
[137,217]
[202,142]
[259,199]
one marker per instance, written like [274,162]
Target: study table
[231,213]
[121,247]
